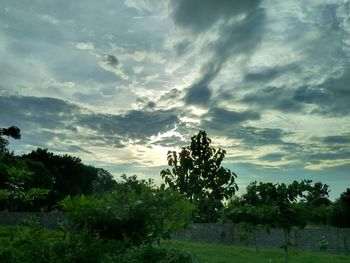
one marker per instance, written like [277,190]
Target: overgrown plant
[140,215]
[29,243]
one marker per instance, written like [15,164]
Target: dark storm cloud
[49,112]
[239,38]
[254,137]
[332,97]
[266,74]
[222,118]
[45,119]
[182,47]
[135,124]
[41,120]
[199,92]
[199,15]
[279,98]
[337,139]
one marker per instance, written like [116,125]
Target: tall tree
[197,173]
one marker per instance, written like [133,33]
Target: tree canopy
[13,132]
[197,173]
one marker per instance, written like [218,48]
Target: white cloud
[324,164]
[85,46]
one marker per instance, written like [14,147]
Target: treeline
[37,181]
[109,221]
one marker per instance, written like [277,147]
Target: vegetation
[32,244]
[124,221]
[12,132]
[198,174]
[341,210]
[137,214]
[37,181]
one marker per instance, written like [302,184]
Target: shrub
[146,254]
[30,244]
[137,217]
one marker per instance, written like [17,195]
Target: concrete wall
[48,220]
[303,239]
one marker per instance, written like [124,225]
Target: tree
[13,132]
[197,173]
[272,205]
[317,203]
[341,210]
[70,175]
[249,216]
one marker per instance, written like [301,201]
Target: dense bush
[32,244]
[147,254]
[140,215]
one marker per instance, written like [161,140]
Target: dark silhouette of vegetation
[13,132]
[136,212]
[38,180]
[197,173]
[340,214]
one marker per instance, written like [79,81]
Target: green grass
[214,253]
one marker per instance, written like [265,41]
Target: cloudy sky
[121,82]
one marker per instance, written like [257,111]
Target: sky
[120,82]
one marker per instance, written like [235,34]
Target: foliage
[317,195]
[272,204]
[137,216]
[269,205]
[38,180]
[13,132]
[317,204]
[340,213]
[18,195]
[70,175]
[146,254]
[197,173]
[32,244]
[103,181]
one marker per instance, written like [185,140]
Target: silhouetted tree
[13,132]
[317,203]
[340,215]
[197,173]
[71,176]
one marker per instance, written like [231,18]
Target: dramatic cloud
[200,15]
[119,83]
[332,96]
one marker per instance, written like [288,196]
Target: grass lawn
[213,253]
